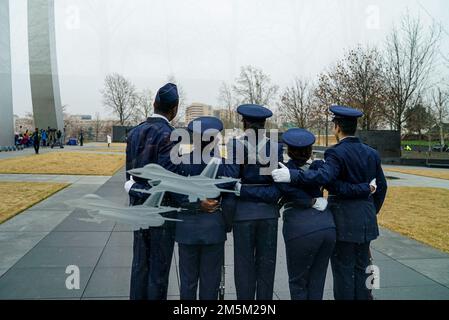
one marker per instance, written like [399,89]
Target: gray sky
[202,42]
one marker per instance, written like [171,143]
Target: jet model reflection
[200,187]
[142,216]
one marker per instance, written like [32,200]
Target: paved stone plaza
[37,245]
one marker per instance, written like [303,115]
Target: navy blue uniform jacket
[148,143]
[199,227]
[353,162]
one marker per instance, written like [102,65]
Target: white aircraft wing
[155,199]
[211,169]
[209,182]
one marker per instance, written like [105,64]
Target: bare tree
[28,122]
[296,103]
[419,118]
[365,89]
[144,108]
[329,90]
[72,123]
[254,86]
[357,81]
[119,95]
[65,116]
[440,99]
[326,94]
[410,57]
[227,99]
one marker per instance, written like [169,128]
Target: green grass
[424,143]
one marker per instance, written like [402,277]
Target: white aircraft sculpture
[201,187]
[149,213]
[141,216]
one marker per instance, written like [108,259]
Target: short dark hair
[300,154]
[255,124]
[165,107]
[347,125]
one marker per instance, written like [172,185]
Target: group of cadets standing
[314,232]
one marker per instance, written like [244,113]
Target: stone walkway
[37,246]
[409,180]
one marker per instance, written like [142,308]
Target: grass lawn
[113,150]
[103,147]
[104,144]
[434,173]
[69,163]
[418,213]
[19,196]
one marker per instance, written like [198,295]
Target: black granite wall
[119,133]
[387,143]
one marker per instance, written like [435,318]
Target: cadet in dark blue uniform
[256,215]
[308,229]
[201,235]
[148,143]
[356,219]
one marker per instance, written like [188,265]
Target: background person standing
[36,140]
[59,139]
[44,137]
[81,138]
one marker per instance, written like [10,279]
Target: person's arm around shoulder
[327,173]
[347,190]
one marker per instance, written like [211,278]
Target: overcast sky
[202,42]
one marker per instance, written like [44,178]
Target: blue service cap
[205,123]
[254,111]
[298,138]
[167,94]
[341,112]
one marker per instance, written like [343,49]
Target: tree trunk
[327,130]
[399,127]
[441,132]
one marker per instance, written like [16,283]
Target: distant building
[230,118]
[93,129]
[196,110]
[82,117]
